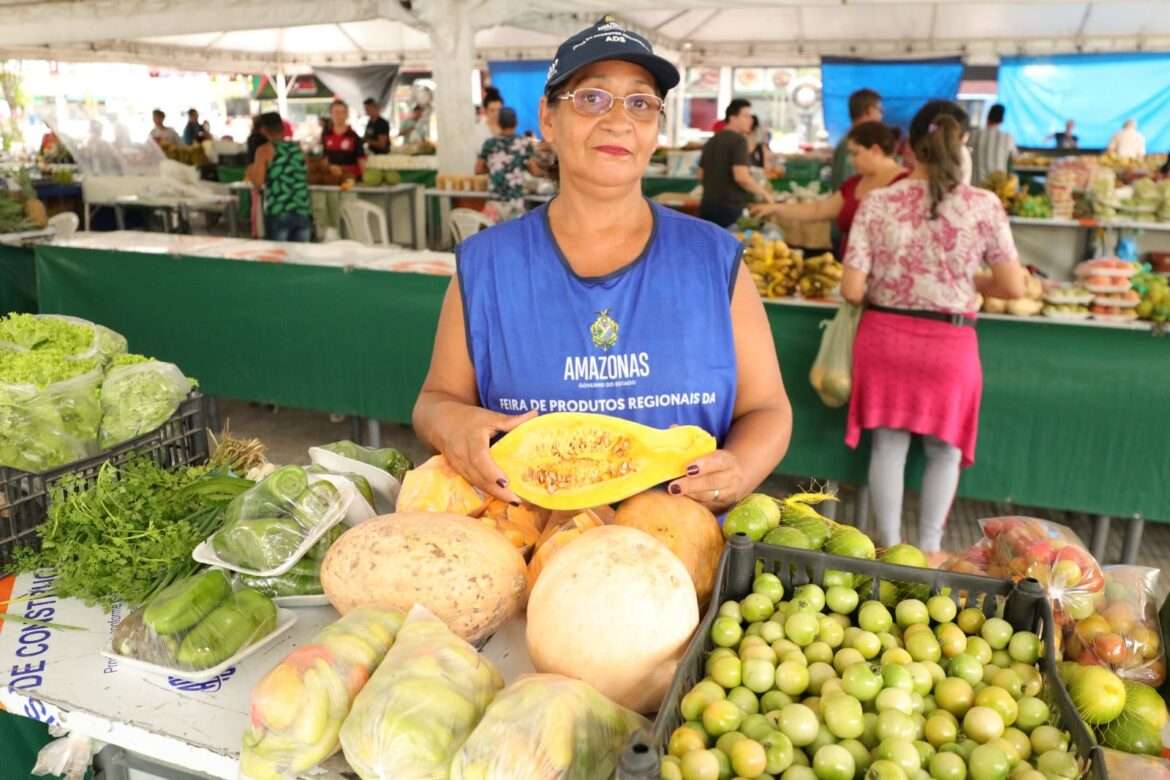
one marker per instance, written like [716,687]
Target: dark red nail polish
[675,490]
[502,483]
[514,503]
[692,470]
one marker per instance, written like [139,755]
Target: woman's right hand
[467,435]
[763,209]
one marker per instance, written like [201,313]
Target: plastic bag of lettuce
[50,411]
[71,337]
[138,395]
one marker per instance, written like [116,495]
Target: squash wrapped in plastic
[547,727]
[420,706]
[299,706]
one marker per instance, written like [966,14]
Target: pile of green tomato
[820,687]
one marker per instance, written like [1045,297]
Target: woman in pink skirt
[915,257]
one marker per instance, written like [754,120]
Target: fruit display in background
[775,268]
[1031,304]
[1031,206]
[1123,633]
[1155,297]
[371,177]
[470,576]
[567,460]
[685,526]
[824,689]
[1005,186]
[616,608]
[820,276]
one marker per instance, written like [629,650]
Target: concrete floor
[289,433]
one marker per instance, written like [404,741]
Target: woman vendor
[602,301]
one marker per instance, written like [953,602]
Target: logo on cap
[552,70]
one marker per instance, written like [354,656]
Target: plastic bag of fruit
[1119,764]
[421,704]
[1123,633]
[547,727]
[196,623]
[1020,547]
[299,706]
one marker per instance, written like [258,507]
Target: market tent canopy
[239,36]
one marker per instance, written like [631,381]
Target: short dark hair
[734,107]
[192,111]
[369,102]
[755,121]
[492,94]
[861,101]
[868,134]
[995,115]
[158,112]
[271,122]
[493,99]
[507,118]
[338,102]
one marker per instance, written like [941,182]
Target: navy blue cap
[608,40]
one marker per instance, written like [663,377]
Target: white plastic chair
[365,222]
[467,222]
[64,224]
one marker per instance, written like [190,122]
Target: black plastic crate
[1025,607]
[180,441]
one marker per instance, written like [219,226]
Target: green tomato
[897,676]
[997,631]
[745,699]
[867,643]
[942,609]
[940,728]
[771,631]
[792,679]
[759,675]
[818,674]
[1046,739]
[769,585]
[684,739]
[846,657]
[700,765]
[977,646]
[727,672]
[818,652]
[779,751]
[746,519]
[718,652]
[1001,659]
[895,699]
[896,657]
[947,766]
[966,667]
[724,764]
[833,762]
[924,647]
[756,727]
[911,612]
[1025,647]
[799,724]
[1020,743]
[951,639]
[671,768]
[988,762]
[923,681]
[801,628]
[859,752]
[695,701]
[775,700]
[862,681]
[809,598]
[798,772]
[902,752]
[954,695]
[841,600]
[721,717]
[1032,712]
[726,632]
[731,610]
[843,716]
[831,633]
[748,758]
[873,616]
[892,724]
[757,607]
[1009,681]
[884,769]
[983,724]
[971,620]
[869,734]
[999,700]
[729,739]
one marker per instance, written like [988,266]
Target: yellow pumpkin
[574,461]
[685,526]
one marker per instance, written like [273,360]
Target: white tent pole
[680,104]
[453,47]
[281,84]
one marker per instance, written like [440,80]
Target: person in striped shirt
[991,147]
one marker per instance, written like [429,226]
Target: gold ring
[716,494]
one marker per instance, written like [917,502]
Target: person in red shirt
[343,146]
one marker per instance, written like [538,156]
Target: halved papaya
[568,460]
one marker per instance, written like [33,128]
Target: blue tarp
[903,84]
[1097,91]
[521,84]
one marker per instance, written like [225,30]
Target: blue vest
[651,342]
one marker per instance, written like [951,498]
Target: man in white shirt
[1127,143]
[160,133]
[991,148]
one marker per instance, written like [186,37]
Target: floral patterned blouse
[914,262]
[506,157]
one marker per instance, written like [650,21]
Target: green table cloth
[18,279]
[1072,416]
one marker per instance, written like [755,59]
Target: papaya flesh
[568,460]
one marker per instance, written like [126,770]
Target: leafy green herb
[129,534]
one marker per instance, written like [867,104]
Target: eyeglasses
[590,101]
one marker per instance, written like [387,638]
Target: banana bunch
[819,276]
[298,708]
[421,704]
[1004,185]
[546,727]
[774,267]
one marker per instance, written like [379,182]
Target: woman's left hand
[714,480]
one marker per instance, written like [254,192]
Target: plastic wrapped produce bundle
[138,395]
[195,623]
[547,727]
[388,459]
[1123,633]
[277,522]
[298,708]
[49,409]
[70,336]
[421,704]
